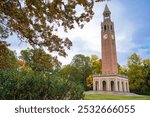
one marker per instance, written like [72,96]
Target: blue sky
[132,29]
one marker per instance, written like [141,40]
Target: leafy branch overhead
[35,21]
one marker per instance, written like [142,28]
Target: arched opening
[111,27]
[118,86]
[126,87]
[112,86]
[96,86]
[122,86]
[104,85]
[104,27]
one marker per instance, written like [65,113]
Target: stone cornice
[110,75]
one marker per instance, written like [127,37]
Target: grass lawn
[114,97]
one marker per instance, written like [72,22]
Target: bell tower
[109,56]
[109,80]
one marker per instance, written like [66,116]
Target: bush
[23,85]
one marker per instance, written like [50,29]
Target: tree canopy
[35,21]
[68,82]
[139,74]
[8,60]
[39,60]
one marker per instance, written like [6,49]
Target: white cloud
[89,38]
[143,52]
[87,41]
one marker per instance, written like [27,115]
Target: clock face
[105,36]
[112,36]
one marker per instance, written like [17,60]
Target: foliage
[134,59]
[84,65]
[7,57]
[96,64]
[3,32]
[139,74]
[72,73]
[39,60]
[89,82]
[40,82]
[122,69]
[81,69]
[32,85]
[36,21]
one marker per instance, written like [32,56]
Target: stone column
[99,84]
[125,89]
[108,85]
[120,85]
[94,85]
[128,86]
[116,84]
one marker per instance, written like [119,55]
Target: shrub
[32,85]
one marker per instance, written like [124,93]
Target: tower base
[111,83]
